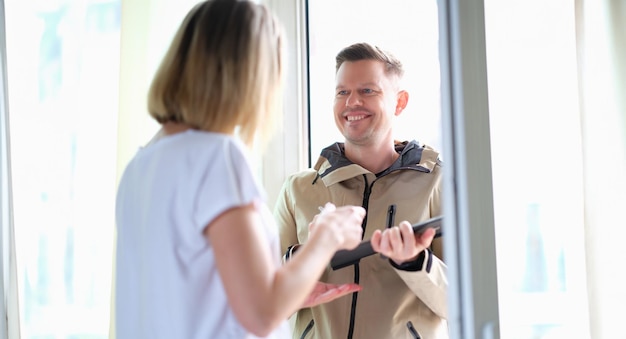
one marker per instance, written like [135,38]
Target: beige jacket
[405,302]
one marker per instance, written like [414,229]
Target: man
[404,288]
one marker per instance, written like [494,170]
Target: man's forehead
[369,72]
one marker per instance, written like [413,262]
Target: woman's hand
[324,292]
[339,226]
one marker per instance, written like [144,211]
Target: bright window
[63,61]
[537,168]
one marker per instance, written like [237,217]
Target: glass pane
[63,87]
[406,28]
[537,168]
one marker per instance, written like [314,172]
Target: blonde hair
[223,71]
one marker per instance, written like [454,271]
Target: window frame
[9,319]
[291,140]
[468,198]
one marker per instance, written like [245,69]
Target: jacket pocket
[307,329]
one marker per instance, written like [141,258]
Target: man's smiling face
[366,100]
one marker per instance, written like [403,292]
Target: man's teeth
[355,118]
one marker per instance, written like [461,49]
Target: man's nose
[354,99]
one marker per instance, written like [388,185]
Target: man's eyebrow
[367,84]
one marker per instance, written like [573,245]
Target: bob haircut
[223,71]
[365,51]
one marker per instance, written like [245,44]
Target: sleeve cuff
[290,251]
[417,264]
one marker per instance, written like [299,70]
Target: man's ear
[403,99]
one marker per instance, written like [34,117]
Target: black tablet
[345,258]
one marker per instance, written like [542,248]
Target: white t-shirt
[167,283]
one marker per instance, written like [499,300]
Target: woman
[197,253]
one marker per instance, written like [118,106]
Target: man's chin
[357,140]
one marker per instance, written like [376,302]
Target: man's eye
[367,91]
[342,92]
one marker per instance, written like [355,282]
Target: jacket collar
[333,166]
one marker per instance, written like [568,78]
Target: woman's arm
[262,293]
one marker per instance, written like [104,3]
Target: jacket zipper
[413,331]
[308,329]
[391,214]
[366,198]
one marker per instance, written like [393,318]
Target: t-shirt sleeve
[227,182]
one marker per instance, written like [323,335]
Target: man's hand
[400,244]
[323,293]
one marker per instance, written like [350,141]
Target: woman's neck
[170,128]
